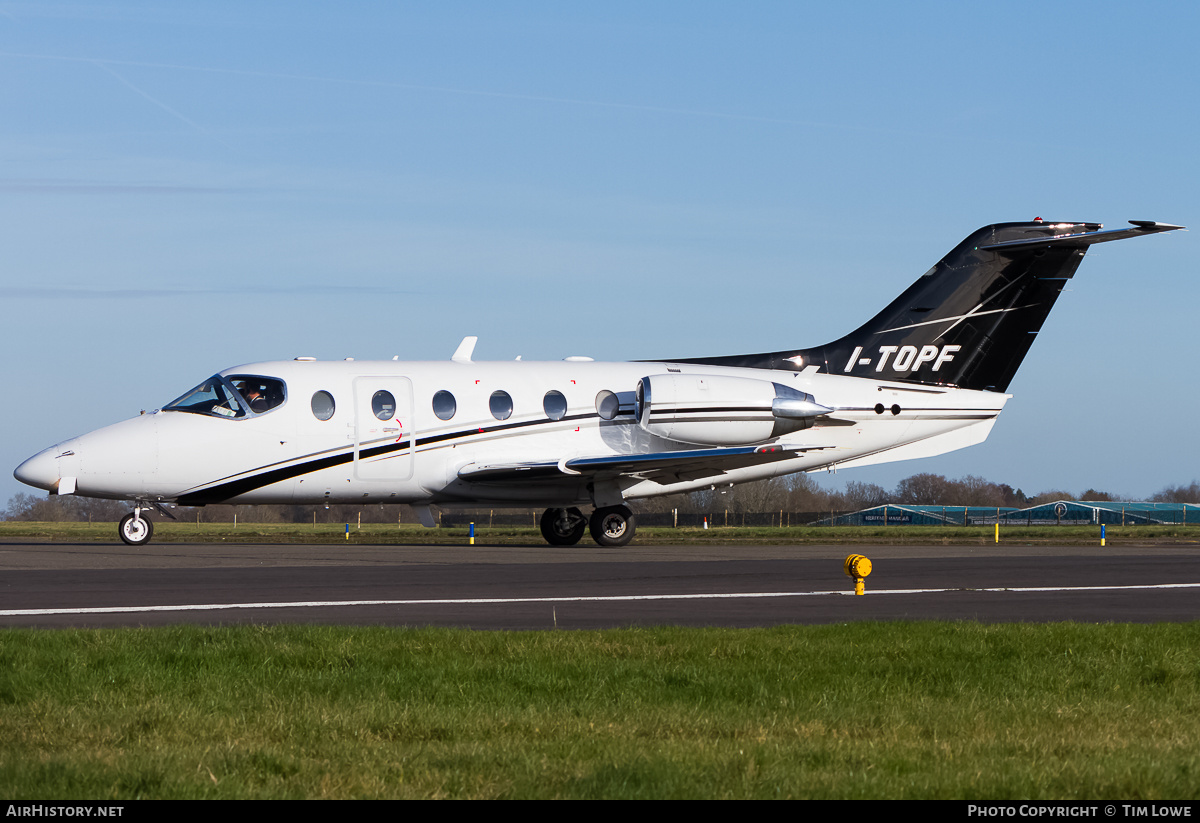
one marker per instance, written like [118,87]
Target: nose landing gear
[134,529]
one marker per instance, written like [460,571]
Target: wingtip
[1152,225]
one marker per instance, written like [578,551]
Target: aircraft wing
[660,467]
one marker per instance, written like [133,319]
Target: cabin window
[444,405]
[322,405]
[555,405]
[383,405]
[501,405]
[607,405]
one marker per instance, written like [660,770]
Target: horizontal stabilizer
[1082,239]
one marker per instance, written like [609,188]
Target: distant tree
[1096,497]
[859,496]
[936,490]
[925,489]
[1179,494]
[975,491]
[705,500]
[61,508]
[762,496]
[19,505]
[1050,496]
[1013,499]
[804,495]
[665,503]
[759,496]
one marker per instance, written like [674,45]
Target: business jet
[925,376]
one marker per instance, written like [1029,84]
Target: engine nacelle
[715,410]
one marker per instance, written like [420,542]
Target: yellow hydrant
[857,567]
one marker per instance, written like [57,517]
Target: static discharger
[857,567]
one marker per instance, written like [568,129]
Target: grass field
[897,710]
[866,710]
[176,532]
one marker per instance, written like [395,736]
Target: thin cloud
[48,186]
[387,84]
[80,293]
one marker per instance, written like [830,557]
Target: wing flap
[660,467]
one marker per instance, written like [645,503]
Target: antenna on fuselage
[465,349]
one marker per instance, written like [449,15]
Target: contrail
[51,293]
[104,65]
[386,84]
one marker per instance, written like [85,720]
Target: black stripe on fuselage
[232,488]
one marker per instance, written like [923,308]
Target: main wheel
[136,531]
[612,526]
[563,527]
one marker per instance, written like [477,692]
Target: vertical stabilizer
[969,320]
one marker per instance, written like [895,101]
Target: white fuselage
[408,454]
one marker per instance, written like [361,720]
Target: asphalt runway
[541,587]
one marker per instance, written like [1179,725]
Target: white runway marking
[312,604]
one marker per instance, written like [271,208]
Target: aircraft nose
[40,471]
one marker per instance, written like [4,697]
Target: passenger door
[383,428]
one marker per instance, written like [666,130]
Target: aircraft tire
[136,531]
[552,527]
[612,526]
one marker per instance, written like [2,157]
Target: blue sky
[185,188]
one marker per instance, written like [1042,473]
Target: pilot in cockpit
[258,403]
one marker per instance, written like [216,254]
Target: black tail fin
[969,320]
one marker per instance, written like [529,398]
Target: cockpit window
[236,396]
[262,393]
[214,396]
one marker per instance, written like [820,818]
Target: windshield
[236,396]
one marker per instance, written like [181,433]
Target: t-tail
[969,320]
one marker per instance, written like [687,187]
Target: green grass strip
[894,710]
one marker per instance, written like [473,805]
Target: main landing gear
[136,530]
[563,527]
[610,526]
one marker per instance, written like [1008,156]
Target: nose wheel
[135,530]
[612,526]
